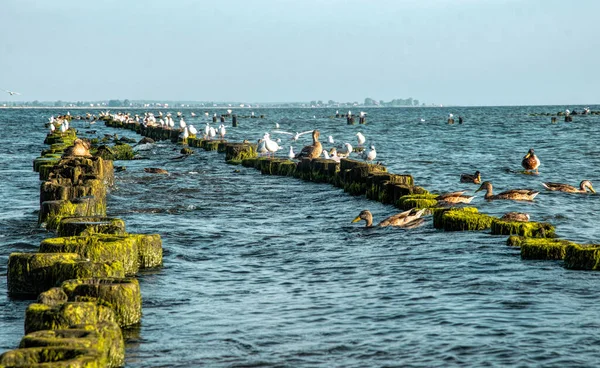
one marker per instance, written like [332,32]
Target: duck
[531,162]
[455,197]
[583,187]
[314,150]
[80,148]
[468,178]
[514,194]
[406,219]
[515,216]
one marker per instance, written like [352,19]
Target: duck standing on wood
[531,162]
[314,150]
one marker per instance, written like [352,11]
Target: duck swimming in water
[583,187]
[531,162]
[407,219]
[514,194]
[468,178]
[455,197]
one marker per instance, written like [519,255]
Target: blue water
[269,271]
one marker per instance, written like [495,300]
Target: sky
[451,52]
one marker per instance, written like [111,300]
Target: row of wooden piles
[84,278]
[537,240]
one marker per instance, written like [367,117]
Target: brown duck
[314,150]
[79,148]
[514,194]
[515,216]
[531,162]
[471,178]
[583,187]
[407,219]
[455,197]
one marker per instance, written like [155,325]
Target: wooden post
[234,120]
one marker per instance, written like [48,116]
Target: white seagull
[361,138]
[192,130]
[294,136]
[370,156]
[330,140]
[11,92]
[346,151]
[291,155]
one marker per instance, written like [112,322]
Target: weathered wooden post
[234,121]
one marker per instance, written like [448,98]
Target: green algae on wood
[53,356]
[88,225]
[98,248]
[461,219]
[416,201]
[540,248]
[105,337]
[237,152]
[123,296]
[29,274]
[528,229]
[43,317]
[582,257]
[52,297]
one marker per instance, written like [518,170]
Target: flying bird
[11,92]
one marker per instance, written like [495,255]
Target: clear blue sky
[460,52]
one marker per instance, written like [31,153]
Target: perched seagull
[11,92]
[192,130]
[206,130]
[363,114]
[271,145]
[229,111]
[370,156]
[52,128]
[212,133]
[450,116]
[346,151]
[222,131]
[361,138]
[277,125]
[326,155]
[294,136]
[291,155]
[331,140]
[182,123]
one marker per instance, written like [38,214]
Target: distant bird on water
[361,138]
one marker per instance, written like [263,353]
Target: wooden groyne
[83,279]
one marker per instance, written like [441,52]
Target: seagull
[326,155]
[52,128]
[185,133]
[422,120]
[361,138]
[206,130]
[277,125]
[182,123]
[363,114]
[229,111]
[346,151]
[450,116]
[261,147]
[271,145]
[11,92]
[330,139]
[291,155]
[222,131]
[192,130]
[370,156]
[212,133]
[294,136]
